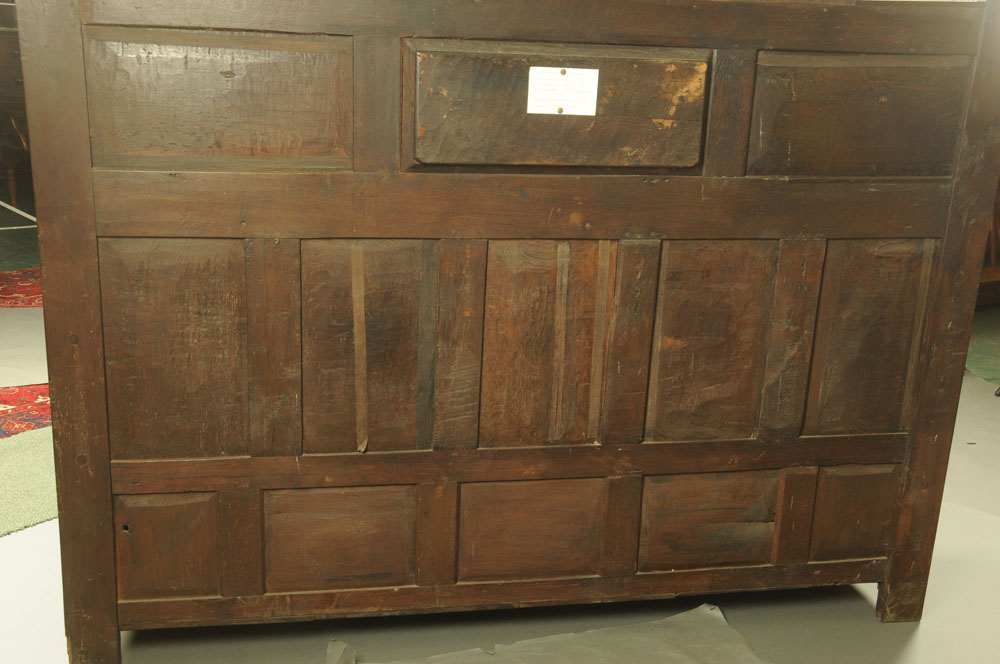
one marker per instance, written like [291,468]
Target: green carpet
[984,349]
[27,480]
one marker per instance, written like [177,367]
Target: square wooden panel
[316,539]
[219,100]
[871,310]
[168,545]
[710,340]
[470,105]
[855,506]
[175,347]
[519,530]
[708,520]
[392,334]
[865,115]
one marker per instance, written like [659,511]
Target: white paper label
[562,91]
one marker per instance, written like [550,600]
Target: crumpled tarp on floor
[699,636]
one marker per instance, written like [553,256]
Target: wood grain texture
[518,530]
[74,333]
[274,346]
[728,126]
[796,501]
[622,517]
[710,339]
[946,337]
[471,102]
[437,533]
[789,347]
[204,100]
[630,339]
[706,520]
[282,607]
[241,536]
[457,376]
[340,538]
[392,334]
[435,205]
[176,353]
[328,369]
[866,28]
[862,358]
[376,97]
[856,114]
[538,342]
[854,511]
[502,464]
[167,545]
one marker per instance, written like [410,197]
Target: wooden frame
[921,234]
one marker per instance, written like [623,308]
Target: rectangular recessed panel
[545,326]
[707,520]
[175,347]
[386,324]
[863,115]
[855,506]
[167,545]
[710,339]
[219,100]
[870,311]
[516,530]
[316,539]
[471,104]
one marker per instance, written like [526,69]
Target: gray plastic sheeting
[699,636]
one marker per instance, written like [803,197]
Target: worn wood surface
[946,338]
[470,101]
[74,333]
[359,357]
[870,109]
[432,205]
[193,99]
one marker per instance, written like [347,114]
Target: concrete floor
[817,626]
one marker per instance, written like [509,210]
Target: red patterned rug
[24,408]
[21,288]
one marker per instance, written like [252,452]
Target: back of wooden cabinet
[457,305]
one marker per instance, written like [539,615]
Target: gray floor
[815,627]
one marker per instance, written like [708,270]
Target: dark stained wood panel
[274,341]
[530,529]
[709,343]
[796,502]
[471,102]
[329,390]
[630,339]
[435,205]
[861,375]
[857,114]
[437,528]
[502,464]
[167,545]
[706,520]
[340,538]
[854,511]
[219,100]
[541,335]
[789,347]
[386,325]
[273,607]
[728,125]
[54,81]
[459,343]
[240,550]
[176,357]
[869,27]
